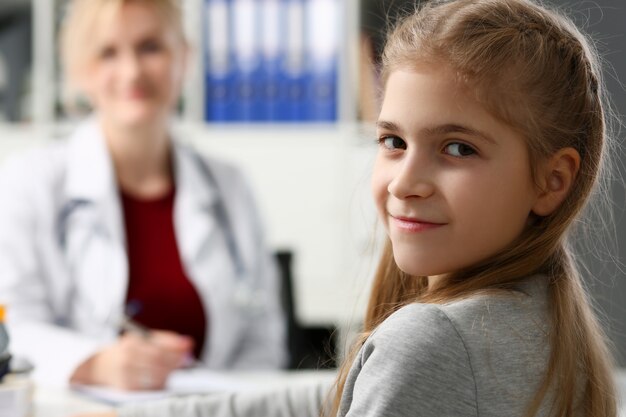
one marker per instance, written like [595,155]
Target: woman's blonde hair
[534,70]
[82,18]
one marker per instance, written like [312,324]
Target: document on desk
[181,382]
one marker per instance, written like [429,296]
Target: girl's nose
[413,178]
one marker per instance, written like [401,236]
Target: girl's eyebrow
[439,130]
[386,125]
[456,128]
[389,126]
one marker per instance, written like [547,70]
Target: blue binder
[219,73]
[322,59]
[248,77]
[272,50]
[271,60]
[292,73]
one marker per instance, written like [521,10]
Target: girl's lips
[413,225]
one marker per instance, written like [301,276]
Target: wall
[605,20]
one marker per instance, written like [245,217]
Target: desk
[56,402]
[59,402]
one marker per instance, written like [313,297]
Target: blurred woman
[123,220]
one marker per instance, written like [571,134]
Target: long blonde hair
[534,70]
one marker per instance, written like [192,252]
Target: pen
[129,325]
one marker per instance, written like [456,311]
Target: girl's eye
[459,149]
[392,142]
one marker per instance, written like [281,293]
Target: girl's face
[451,183]
[136,75]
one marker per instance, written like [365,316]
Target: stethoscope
[247,295]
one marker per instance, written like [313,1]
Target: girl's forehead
[443,81]
[415,84]
[420,100]
[439,71]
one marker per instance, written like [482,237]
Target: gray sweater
[481,356]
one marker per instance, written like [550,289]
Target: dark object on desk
[310,347]
[20,365]
[5,361]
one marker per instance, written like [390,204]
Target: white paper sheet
[187,381]
[198,380]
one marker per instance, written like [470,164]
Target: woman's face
[135,77]
[452,184]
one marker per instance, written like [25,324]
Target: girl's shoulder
[457,356]
[472,332]
[511,315]
[490,310]
[415,336]
[414,363]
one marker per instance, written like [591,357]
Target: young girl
[492,138]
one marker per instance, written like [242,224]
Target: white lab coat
[64,268]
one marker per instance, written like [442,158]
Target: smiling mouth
[412,225]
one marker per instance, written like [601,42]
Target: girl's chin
[420,269]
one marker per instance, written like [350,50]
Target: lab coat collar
[196,195]
[194,185]
[90,173]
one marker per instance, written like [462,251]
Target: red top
[158,288]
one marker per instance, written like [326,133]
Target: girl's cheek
[380,195]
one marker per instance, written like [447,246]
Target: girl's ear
[556,180]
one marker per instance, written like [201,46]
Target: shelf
[46,84]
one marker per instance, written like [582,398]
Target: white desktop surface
[57,402]
[60,402]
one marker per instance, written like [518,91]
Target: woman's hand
[136,362]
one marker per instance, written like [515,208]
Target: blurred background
[288,90]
